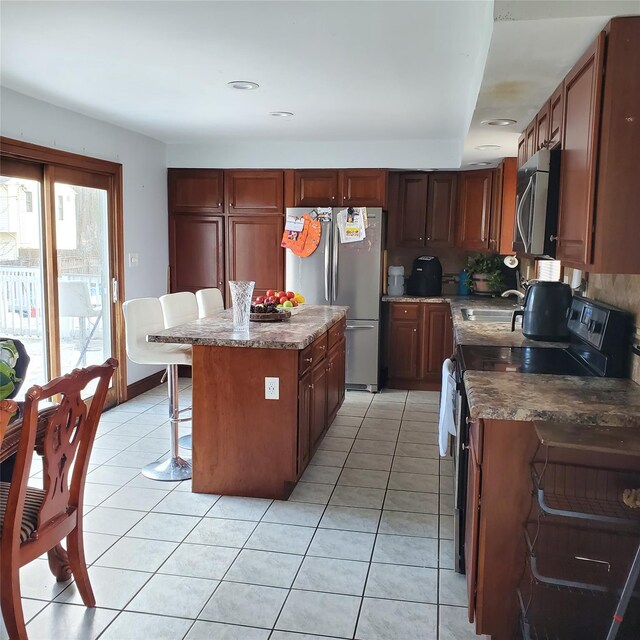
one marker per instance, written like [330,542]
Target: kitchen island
[243,443]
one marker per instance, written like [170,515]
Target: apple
[291,295]
[270,293]
[282,294]
[294,303]
[260,300]
[272,299]
[288,304]
[283,299]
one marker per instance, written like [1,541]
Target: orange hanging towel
[312,240]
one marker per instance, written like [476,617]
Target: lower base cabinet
[419,337]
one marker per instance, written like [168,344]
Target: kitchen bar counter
[531,397]
[309,322]
[245,443]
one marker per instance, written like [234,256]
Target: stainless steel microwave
[536,223]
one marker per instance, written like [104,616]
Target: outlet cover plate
[272,388]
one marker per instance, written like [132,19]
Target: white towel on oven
[447,424]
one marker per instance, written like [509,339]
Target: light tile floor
[362,549]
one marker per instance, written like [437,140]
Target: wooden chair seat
[32,503]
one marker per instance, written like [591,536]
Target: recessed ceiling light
[281,114]
[478,164]
[487,147]
[243,85]
[499,122]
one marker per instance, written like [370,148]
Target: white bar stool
[142,317]
[178,308]
[210,302]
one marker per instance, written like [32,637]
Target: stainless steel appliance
[600,345]
[346,274]
[537,204]
[545,310]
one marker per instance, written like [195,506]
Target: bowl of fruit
[275,306]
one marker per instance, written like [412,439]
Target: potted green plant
[485,273]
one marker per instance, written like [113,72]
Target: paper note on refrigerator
[352,224]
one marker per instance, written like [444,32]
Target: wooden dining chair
[7,409]
[35,521]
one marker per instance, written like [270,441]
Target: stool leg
[175,468]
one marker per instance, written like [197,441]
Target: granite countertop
[495,334]
[310,322]
[529,397]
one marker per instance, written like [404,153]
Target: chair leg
[75,551]
[11,603]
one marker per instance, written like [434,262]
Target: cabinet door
[318,403]
[441,209]
[496,209]
[411,221]
[474,209]
[530,135]
[472,519]
[363,187]
[582,96]
[315,188]
[555,116]
[254,191]
[304,421]
[195,191]
[522,150]
[196,252]
[403,347]
[507,205]
[254,251]
[542,126]
[335,379]
[437,341]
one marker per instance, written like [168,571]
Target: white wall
[144,183]
[279,154]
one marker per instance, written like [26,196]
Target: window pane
[21,273]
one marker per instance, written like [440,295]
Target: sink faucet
[515,292]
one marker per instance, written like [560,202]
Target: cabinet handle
[219,204]
[308,360]
[553,238]
[220,283]
[310,386]
[428,238]
[333,197]
[230,205]
[323,347]
[405,311]
[420,238]
[414,330]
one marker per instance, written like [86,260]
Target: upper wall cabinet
[363,187]
[411,213]
[474,209]
[195,191]
[542,127]
[251,192]
[316,188]
[556,104]
[441,210]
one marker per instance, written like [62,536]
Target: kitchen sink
[487,315]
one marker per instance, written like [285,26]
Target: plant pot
[481,283]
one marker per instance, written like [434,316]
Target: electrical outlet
[133,260]
[272,388]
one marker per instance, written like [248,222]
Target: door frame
[28,152]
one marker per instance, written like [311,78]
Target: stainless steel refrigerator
[346,274]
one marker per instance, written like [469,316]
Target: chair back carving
[66,446]
[7,409]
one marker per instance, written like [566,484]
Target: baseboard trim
[146,384]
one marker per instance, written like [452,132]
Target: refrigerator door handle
[336,244]
[327,257]
[360,326]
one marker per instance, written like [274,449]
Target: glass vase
[241,293]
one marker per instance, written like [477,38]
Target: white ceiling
[401,74]
[534,44]
[356,71]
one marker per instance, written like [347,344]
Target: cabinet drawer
[319,348]
[336,333]
[305,359]
[410,311]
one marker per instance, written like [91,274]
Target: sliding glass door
[59,268]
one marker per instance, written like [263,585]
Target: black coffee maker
[426,277]
[545,310]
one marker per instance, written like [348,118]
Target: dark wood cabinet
[419,337]
[474,209]
[196,252]
[304,421]
[556,104]
[195,191]
[363,187]
[582,98]
[522,150]
[441,210]
[495,223]
[506,181]
[472,513]
[318,404]
[254,251]
[335,379]
[254,192]
[542,126]
[530,135]
[315,188]
[411,214]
